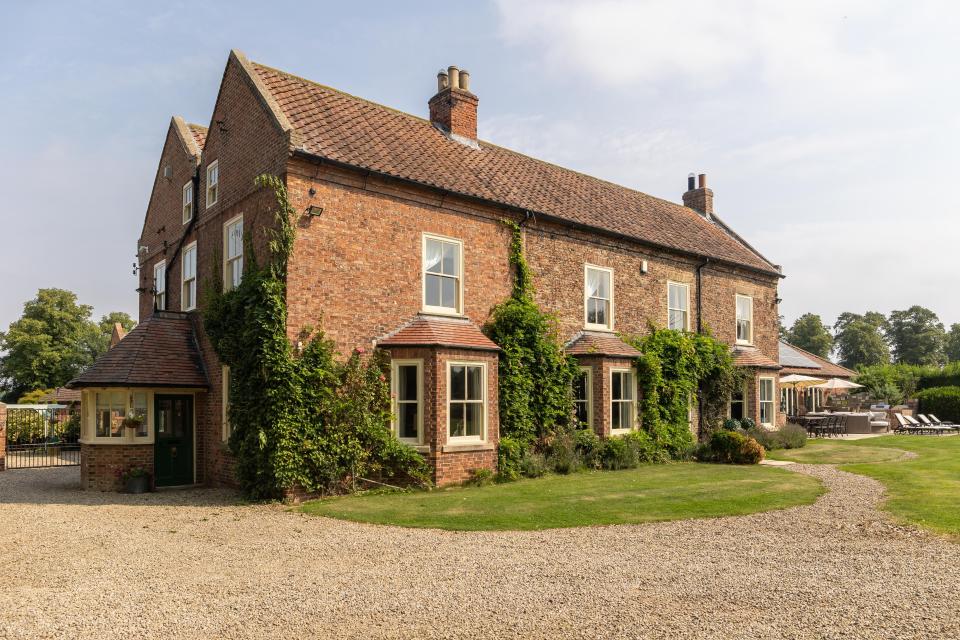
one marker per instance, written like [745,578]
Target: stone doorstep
[777,463]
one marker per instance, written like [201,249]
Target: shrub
[510,459]
[479,477]
[644,448]
[588,447]
[731,447]
[732,424]
[793,436]
[949,376]
[944,402]
[562,452]
[533,465]
[617,453]
[748,423]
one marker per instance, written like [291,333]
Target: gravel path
[193,564]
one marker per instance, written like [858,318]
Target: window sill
[117,441]
[620,432]
[467,447]
[442,311]
[597,327]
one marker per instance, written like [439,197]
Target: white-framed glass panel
[225,387]
[583,397]
[188,202]
[744,319]
[406,380]
[466,400]
[767,407]
[622,400]
[233,253]
[678,306]
[138,410]
[442,274]
[160,285]
[737,409]
[213,183]
[188,297]
[598,297]
[111,411]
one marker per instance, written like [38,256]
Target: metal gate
[42,437]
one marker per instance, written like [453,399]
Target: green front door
[173,451]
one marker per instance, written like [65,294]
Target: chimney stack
[700,199]
[454,109]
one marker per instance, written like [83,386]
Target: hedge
[943,402]
[949,376]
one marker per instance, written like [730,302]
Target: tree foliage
[811,334]
[535,375]
[952,344]
[860,341]
[299,421]
[916,336]
[51,343]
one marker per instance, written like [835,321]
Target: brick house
[400,246]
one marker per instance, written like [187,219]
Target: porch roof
[752,357]
[600,343]
[439,331]
[162,351]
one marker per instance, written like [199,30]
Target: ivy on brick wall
[301,420]
[679,369]
[535,374]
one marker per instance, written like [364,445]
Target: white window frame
[227,280]
[589,400]
[772,401]
[610,322]
[423,277]
[632,401]
[187,202]
[736,314]
[214,185]
[225,428]
[395,396]
[188,283]
[160,294]
[686,297]
[88,427]
[483,402]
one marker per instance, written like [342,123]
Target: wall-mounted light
[643,266]
[777,300]
[314,211]
[312,191]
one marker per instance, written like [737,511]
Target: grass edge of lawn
[773,494]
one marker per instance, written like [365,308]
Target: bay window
[622,402]
[442,280]
[466,400]
[407,391]
[582,397]
[767,407]
[118,415]
[598,297]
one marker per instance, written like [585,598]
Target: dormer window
[188,202]
[442,269]
[213,183]
[598,298]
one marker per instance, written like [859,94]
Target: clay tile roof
[199,133]
[599,343]
[342,128]
[441,332]
[61,395]
[159,352]
[796,360]
[752,357]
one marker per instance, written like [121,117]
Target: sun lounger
[903,426]
[929,428]
[934,420]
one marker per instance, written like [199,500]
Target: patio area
[192,564]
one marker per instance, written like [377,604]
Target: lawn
[647,494]
[924,491]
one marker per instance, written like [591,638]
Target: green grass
[647,494]
[825,452]
[924,491]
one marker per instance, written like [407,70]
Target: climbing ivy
[300,419]
[535,374]
[678,368]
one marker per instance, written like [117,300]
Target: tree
[952,344]
[51,343]
[809,333]
[859,339]
[917,336]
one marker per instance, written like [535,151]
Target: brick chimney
[454,108]
[699,199]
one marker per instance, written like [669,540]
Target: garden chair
[929,428]
[934,421]
[903,426]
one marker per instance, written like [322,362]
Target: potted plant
[135,479]
[133,421]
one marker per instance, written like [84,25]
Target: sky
[828,130]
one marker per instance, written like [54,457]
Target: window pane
[433,252]
[617,386]
[604,288]
[475,383]
[407,418]
[593,283]
[582,412]
[627,386]
[474,419]
[451,259]
[457,423]
[458,382]
[407,383]
[448,296]
[140,411]
[433,287]
[591,311]
[615,416]
[580,386]
[602,312]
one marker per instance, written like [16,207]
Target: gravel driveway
[193,564]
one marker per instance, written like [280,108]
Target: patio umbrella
[838,383]
[800,381]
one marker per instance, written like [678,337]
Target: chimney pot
[465,80]
[691,182]
[454,109]
[454,74]
[443,80]
[703,180]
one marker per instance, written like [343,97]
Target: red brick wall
[456,111]
[99,463]
[3,436]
